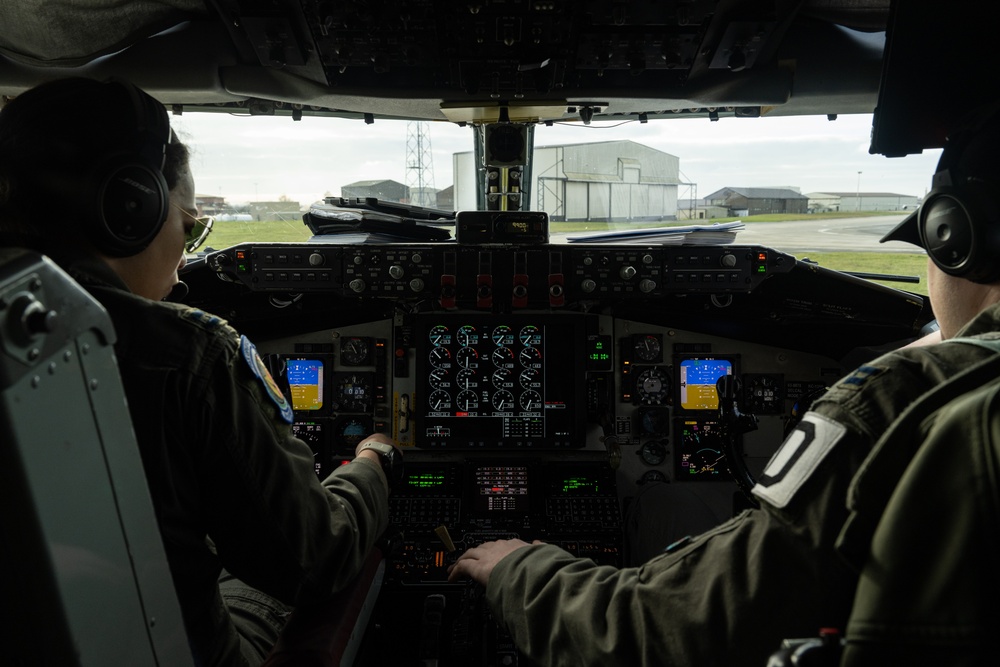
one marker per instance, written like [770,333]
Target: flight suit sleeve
[728,597]
[732,594]
[273,523]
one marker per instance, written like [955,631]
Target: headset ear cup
[130,208]
[959,235]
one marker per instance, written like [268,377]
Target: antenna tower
[420,165]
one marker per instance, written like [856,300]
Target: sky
[260,158]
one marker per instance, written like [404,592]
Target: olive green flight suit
[729,596]
[231,486]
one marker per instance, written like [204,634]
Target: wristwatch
[391,460]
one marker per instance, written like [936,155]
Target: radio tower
[420,165]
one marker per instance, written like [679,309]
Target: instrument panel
[537,391]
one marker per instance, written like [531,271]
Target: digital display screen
[696,381]
[699,451]
[490,381]
[305,380]
[426,479]
[578,485]
[599,352]
[500,488]
[314,435]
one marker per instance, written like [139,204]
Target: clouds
[246,158]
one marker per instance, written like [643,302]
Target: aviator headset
[958,222]
[122,200]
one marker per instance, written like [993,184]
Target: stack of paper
[719,233]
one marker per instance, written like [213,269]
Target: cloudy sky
[263,158]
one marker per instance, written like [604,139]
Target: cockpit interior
[536,386]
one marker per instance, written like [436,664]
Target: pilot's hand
[478,563]
[374,437]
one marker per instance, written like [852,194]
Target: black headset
[124,201]
[958,221]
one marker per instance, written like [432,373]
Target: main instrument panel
[537,390]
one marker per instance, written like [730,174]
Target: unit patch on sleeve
[797,459]
[207,320]
[861,376]
[257,367]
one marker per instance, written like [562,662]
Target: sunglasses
[194,237]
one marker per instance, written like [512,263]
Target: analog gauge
[530,335]
[439,335]
[353,393]
[530,401]
[503,400]
[440,357]
[501,378]
[654,421]
[502,335]
[467,335]
[648,348]
[502,356]
[530,357]
[439,401]
[467,400]
[438,378]
[653,452]
[467,357]
[763,394]
[350,431]
[652,476]
[653,386]
[355,351]
[466,379]
[530,378]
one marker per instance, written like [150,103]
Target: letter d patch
[803,451]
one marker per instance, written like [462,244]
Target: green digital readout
[599,353]
[576,485]
[426,480]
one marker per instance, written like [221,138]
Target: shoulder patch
[861,376]
[257,367]
[200,317]
[797,459]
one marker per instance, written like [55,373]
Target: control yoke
[734,424]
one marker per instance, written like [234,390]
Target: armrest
[329,634]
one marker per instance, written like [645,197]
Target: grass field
[226,234]
[900,264]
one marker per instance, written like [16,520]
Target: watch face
[394,471]
[391,460]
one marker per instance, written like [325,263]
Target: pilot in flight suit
[231,487]
[230,484]
[730,595]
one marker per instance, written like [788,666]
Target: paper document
[719,233]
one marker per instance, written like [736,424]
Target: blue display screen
[697,380]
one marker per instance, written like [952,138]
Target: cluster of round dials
[498,369]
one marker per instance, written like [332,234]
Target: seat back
[85,577]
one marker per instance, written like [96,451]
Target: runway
[836,235]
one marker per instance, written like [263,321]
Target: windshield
[803,185]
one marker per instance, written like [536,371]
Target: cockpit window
[805,185]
